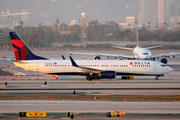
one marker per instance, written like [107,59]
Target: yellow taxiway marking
[98,82]
[89,92]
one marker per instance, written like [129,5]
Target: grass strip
[96,97]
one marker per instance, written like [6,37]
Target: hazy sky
[67,10]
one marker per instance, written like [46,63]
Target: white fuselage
[121,67]
[141,53]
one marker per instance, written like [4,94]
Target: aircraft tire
[89,78]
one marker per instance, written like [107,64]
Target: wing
[101,54]
[18,61]
[165,55]
[84,69]
[153,47]
[77,53]
[117,55]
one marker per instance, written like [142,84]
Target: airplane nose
[169,69]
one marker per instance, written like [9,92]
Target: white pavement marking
[13,106]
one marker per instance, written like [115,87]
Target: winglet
[73,62]
[63,57]
[69,52]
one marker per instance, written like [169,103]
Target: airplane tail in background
[137,38]
[21,50]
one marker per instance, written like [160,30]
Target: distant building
[175,13]
[4,32]
[130,20]
[123,25]
[111,26]
[66,33]
[164,11]
[148,12]
[73,22]
[24,17]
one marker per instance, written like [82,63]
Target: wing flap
[84,69]
[165,55]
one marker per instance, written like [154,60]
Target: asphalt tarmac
[143,85]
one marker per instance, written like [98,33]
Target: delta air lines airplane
[92,69]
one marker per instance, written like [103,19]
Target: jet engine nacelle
[97,57]
[164,60]
[108,74]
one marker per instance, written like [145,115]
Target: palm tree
[148,31]
[129,25]
[164,24]
[136,24]
[156,30]
[21,23]
[156,27]
[167,27]
[40,25]
[143,24]
[57,21]
[149,24]
[178,24]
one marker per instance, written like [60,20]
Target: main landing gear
[89,78]
[156,78]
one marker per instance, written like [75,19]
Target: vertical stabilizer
[21,50]
[137,37]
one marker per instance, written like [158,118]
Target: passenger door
[37,66]
[155,67]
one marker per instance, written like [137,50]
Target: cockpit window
[145,53]
[163,65]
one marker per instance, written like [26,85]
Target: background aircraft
[92,69]
[139,53]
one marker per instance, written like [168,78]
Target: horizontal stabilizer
[154,47]
[123,48]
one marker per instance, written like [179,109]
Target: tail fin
[137,37]
[21,50]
